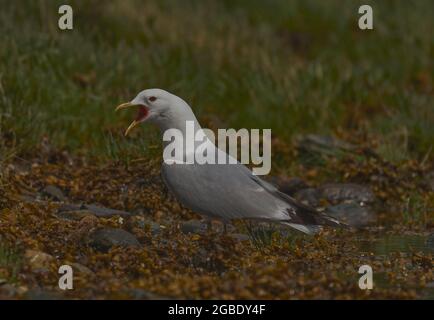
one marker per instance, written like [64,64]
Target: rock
[288,185]
[74,215]
[53,192]
[105,212]
[77,212]
[323,145]
[38,260]
[79,268]
[352,214]
[104,239]
[193,226]
[309,196]
[339,192]
[154,227]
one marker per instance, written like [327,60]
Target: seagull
[221,192]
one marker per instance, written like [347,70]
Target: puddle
[403,244]
[391,244]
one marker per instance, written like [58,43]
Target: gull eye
[152,99]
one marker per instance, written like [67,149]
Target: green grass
[10,262]
[293,66]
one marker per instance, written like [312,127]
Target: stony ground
[126,237]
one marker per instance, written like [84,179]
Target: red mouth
[142,113]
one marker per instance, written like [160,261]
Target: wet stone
[38,260]
[193,226]
[154,227]
[104,212]
[324,145]
[352,214]
[339,192]
[76,212]
[79,268]
[288,185]
[53,193]
[104,239]
[309,196]
[74,215]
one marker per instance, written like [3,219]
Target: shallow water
[394,243]
[406,244]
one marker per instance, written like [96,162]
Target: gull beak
[124,106]
[132,125]
[142,115]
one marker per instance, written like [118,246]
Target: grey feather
[231,191]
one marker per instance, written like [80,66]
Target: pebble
[104,239]
[339,192]
[38,260]
[352,214]
[77,212]
[193,226]
[53,192]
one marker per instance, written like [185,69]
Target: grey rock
[53,192]
[104,212]
[76,212]
[193,226]
[288,185]
[352,213]
[38,260]
[154,227]
[79,268]
[104,239]
[324,145]
[74,215]
[339,192]
[309,196]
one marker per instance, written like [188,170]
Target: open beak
[124,106]
[142,114]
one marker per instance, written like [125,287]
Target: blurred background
[294,66]
[352,119]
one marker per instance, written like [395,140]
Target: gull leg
[225,228]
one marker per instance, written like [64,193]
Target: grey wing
[225,191]
[231,191]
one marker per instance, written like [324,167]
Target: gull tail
[300,216]
[307,219]
[308,229]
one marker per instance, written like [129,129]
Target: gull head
[156,105]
